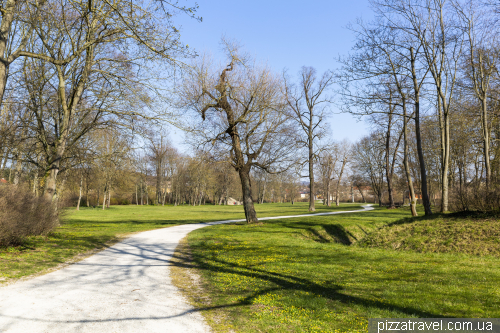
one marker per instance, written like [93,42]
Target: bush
[24,214]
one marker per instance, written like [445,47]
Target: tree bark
[246,187]
[337,198]
[312,208]
[17,169]
[104,199]
[35,183]
[423,172]
[328,203]
[87,191]
[80,196]
[388,173]
[413,200]
[486,140]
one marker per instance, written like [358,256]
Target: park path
[125,288]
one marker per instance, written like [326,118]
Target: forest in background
[87,88]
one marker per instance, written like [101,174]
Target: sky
[285,34]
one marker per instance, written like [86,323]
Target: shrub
[24,214]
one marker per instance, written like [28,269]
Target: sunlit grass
[92,229]
[298,275]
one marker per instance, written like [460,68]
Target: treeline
[425,72]
[89,86]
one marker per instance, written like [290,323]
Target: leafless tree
[344,152]
[92,68]
[482,46]
[309,102]
[241,112]
[327,162]
[368,160]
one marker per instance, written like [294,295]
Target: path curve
[125,288]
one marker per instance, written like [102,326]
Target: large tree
[95,58]
[240,112]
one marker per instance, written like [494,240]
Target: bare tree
[327,162]
[15,32]
[482,46]
[243,114]
[309,101]
[433,23]
[160,153]
[368,161]
[344,154]
[92,69]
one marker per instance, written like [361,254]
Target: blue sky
[287,35]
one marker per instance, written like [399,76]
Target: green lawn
[301,275]
[90,229]
[473,233]
[307,274]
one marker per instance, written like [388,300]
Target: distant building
[3,181]
[232,201]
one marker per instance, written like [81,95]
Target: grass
[86,231]
[301,275]
[466,232]
[308,274]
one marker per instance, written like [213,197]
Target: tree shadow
[339,233]
[281,281]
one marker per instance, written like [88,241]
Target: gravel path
[125,288]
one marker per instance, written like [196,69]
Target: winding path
[125,288]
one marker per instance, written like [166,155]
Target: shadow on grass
[85,223]
[286,282]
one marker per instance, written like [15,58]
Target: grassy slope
[295,275]
[93,229]
[470,233]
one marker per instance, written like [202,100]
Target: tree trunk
[80,196]
[50,183]
[486,141]
[444,124]
[164,197]
[423,172]
[104,197]
[362,195]
[263,191]
[8,15]
[388,173]
[35,183]
[53,168]
[413,201]
[328,203]
[311,177]
[337,198]
[246,187]
[87,191]
[5,159]
[17,169]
